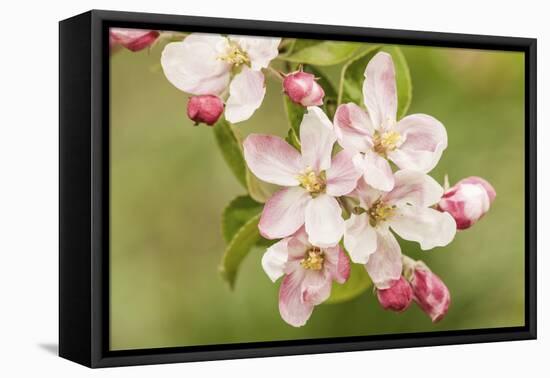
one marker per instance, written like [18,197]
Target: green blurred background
[169,185]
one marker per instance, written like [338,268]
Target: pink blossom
[132,39]
[430,293]
[406,210]
[308,273]
[397,297]
[204,109]
[302,89]
[468,201]
[312,180]
[204,64]
[415,142]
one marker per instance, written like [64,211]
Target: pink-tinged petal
[353,128]
[316,286]
[359,238]
[246,93]
[366,194]
[342,175]
[193,65]
[260,50]
[317,138]
[430,293]
[429,227]
[378,173]
[337,264]
[275,259]
[205,109]
[314,97]
[324,222]
[384,265]
[292,308]
[297,245]
[475,180]
[132,39]
[468,201]
[272,159]
[424,140]
[396,298]
[284,213]
[379,90]
[414,188]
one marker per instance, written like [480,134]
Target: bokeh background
[169,185]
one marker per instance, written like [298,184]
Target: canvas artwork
[278,189]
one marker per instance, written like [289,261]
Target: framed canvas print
[233,188]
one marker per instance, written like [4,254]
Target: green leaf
[353,75]
[320,53]
[294,113]
[403,79]
[357,283]
[238,248]
[237,213]
[230,145]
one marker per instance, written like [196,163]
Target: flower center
[314,259]
[235,55]
[312,182]
[386,141]
[379,212]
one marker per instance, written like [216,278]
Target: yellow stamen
[379,212]
[235,55]
[312,182]
[314,259]
[386,141]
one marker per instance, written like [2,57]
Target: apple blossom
[302,89]
[313,180]
[405,210]
[468,201]
[415,142]
[132,39]
[397,297]
[211,63]
[204,109]
[308,273]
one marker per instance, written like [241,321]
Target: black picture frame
[84,188]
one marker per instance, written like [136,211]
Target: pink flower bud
[132,39]
[205,109]
[468,201]
[398,297]
[430,293]
[302,89]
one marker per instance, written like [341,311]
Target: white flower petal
[272,159]
[379,90]
[359,238]
[260,50]
[324,222]
[414,188]
[317,138]
[353,128]
[284,213]
[342,175]
[275,258]
[425,139]
[429,227]
[246,93]
[378,173]
[385,266]
[193,65]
